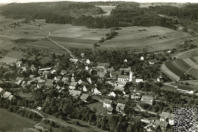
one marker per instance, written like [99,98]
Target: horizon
[139,1]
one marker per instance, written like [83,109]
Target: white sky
[141,1]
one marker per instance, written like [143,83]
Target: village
[97,85]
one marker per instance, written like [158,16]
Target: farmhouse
[147,99]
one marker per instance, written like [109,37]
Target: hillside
[149,38]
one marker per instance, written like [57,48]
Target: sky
[141,1]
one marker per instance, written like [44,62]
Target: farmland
[137,37]
[181,67]
[13,122]
[153,38]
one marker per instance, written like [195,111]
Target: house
[123,79]
[39,108]
[120,107]
[75,93]
[84,97]
[84,88]
[53,71]
[57,78]
[112,94]
[65,80]
[107,105]
[139,80]
[119,86]
[105,65]
[135,97]
[167,117]
[146,99]
[146,121]
[63,72]
[73,60]
[19,80]
[72,85]
[80,81]
[40,80]
[45,69]
[142,58]
[6,94]
[86,68]
[1,89]
[125,71]
[89,80]
[96,92]
[10,97]
[88,61]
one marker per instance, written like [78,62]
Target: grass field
[153,38]
[12,122]
[137,37]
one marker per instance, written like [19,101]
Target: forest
[125,14]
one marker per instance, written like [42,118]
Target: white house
[139,80]
[112,94]
[10,97]
[96,92]
[73,60]
[107,105]
[88,61]
[72,85]
[142,58]
[6,94]
[84,89]
[1,89]
[123,79]
[89,80]
[146,99]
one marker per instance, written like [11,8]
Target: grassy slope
[13,122]
[154,38]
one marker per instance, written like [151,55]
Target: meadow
[12,122]
[153,38]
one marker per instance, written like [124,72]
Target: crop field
[181,66]
[153,38]
[77,32]
[174,69]
[12,122]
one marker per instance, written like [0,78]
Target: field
[12,122]
[182,66]
[152,38]
[137,37]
